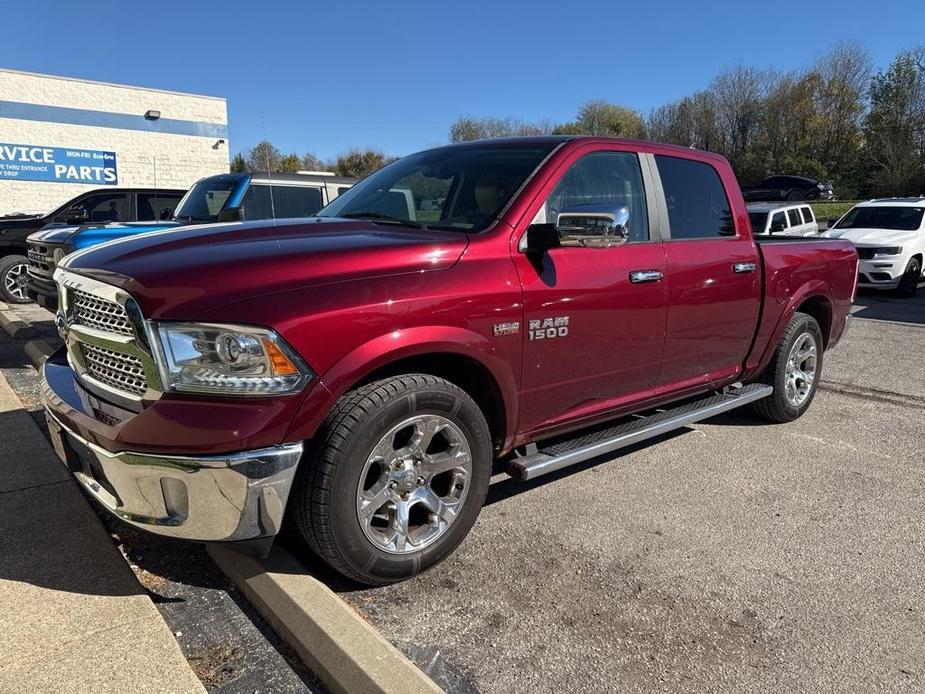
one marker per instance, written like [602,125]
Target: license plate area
[78,458]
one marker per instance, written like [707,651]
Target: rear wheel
[13,278]
[794,371]
[909,283]
[395,479]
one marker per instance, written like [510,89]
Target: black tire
[796,196]
[777,407]
[324,499]
[12,269]
[909,284]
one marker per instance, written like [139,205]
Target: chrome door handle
[644,276]
[742,268]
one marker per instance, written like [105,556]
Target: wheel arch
[464,358]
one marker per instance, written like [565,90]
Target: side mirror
[594,226]
[231,214]
[76,215]
[540,238]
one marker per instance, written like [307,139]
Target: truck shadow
[876,305]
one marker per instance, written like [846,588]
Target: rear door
[796,222]
[594,327]
[714,278]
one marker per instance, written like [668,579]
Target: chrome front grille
[98,313]
[115,369]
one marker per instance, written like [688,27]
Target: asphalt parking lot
[730,556]
[733,556]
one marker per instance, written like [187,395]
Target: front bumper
[43,291]
[882,274]
[221,497]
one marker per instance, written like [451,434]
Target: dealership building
[61,136]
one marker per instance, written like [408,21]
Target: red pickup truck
[537,301]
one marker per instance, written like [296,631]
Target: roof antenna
[266,156]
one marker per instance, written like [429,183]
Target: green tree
[895,127]
[358,163]
[238,164]
[291,163]
[469,128]
[263,157]
[603,119]
[312,163]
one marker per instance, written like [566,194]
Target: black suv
[95,207]
[791,188]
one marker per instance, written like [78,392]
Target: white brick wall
[143,158]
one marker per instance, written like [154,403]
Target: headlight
[888,250]
[820,186]
[227,359]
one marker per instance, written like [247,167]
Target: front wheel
[794,371]
[13,278]
[796,196]
[395,478]
[909,283]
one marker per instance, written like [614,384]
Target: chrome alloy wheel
[800,375]
[15,281]
[414,484]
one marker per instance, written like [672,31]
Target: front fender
[386,349]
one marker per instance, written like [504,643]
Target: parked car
[94,207]
[889,235]
[225,197]
[790,188]
[782,219]
[364,370]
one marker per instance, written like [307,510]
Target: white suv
[889,235]
[782,219]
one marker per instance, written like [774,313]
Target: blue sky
[324,77]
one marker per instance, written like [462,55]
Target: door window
[595,188]
[154,206]
[109,207]
[807,215]
[778,222]
[697,204]
[794,217]
[287,201]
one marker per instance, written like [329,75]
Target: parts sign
[57,164]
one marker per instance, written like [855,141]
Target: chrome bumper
[239,496]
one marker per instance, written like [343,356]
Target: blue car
[221,198]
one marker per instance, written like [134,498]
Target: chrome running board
[555,456]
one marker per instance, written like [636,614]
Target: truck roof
[546,139]
[901,202]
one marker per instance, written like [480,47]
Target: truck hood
[872,237]
[86,235]
[181,273]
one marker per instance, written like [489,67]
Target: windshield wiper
[383,219]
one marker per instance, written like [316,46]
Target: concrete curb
[14,327]
[341,648]
[38,351]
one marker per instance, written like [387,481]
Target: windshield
[881,217]
[463,188]
[759,219]
[205,199]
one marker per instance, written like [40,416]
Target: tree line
[838,119]
[264,156]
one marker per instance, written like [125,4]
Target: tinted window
[205,200]
[287,201]
[342,189]
[109,207]
[697,203]
[473,183]
[758,220]
[778,223]
[156,206]
[601,182]
[882,217]
[807,215]
[794,217]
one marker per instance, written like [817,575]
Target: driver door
[594,312]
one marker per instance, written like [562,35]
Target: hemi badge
[505,328]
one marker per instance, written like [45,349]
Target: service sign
[57,165]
